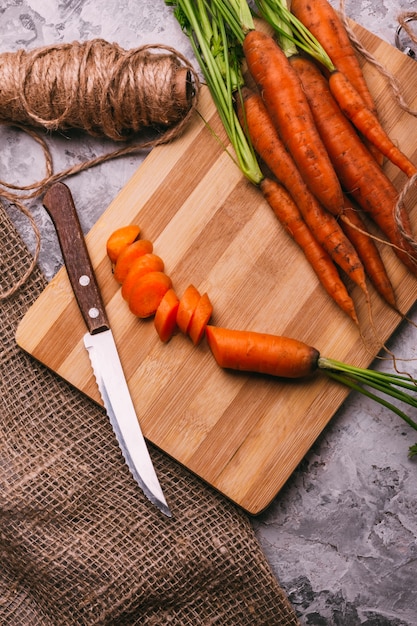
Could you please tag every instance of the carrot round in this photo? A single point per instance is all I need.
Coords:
(286, 103)
(188, 303)
(288, 214)
(263, 353)
(120, 239)
(326, 229)
(148, 262)
(200, 319)
(128, 255)
(359, 173)
(165, 319)
(148, 292)
(367, 122)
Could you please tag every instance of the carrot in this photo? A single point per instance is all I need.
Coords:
(367, 122)
(359, 173)
(200, 319)
(267, 143)
(262, 353)
(128, 255)
(148, 292)
(120, 239)
(289, 111)
(288, 214)
(165, 319)
(187, 306)
(356, 229)
(324, 23)
(148, 262)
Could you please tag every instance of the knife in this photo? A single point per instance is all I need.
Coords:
(100, 344)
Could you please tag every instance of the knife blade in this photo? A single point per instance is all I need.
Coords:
(100, 344)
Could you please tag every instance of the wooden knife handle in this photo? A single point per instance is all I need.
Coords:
(60, 206)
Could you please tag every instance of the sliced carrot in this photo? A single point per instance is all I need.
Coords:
(128, 255)
(148, 262)
(148, 292)
(262, 353)
(120, 239)
(200, 318)
(188, 304)
(165, 320)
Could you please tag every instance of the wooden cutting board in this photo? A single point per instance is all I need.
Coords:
(242, 434)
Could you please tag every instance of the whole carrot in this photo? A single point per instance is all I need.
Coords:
(290, 113)
(324, 23)
(359, 173)
(288, 214)
(324, 226)
(262, 353)
(367, 122)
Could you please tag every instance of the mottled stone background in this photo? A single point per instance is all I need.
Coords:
(341, 535)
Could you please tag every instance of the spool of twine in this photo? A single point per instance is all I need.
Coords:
(94, 86)
(103, 90)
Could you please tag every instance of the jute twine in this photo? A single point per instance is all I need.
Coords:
(101, 89)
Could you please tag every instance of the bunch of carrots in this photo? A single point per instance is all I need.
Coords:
(305, 131)
(149, 291)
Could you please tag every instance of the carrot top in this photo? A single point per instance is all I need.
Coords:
(219, 59)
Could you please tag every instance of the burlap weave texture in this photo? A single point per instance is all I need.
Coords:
(79, 543)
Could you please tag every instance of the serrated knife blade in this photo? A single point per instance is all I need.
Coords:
(100, 344)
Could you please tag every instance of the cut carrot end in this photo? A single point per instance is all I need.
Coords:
(165, 320)
(148, 292)
(144, 264)
(200, 319)
(187, 306)
(120, 239)
(128, 255)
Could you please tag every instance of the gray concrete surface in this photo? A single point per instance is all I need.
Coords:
(341, 535)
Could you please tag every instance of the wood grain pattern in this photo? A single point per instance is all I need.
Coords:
(242, 434)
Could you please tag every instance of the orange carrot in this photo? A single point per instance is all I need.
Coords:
(262, 353)
(128, 255)
(120, 239)
(288, 214)
(359, 173)
(289, 111)
(356, 229)
(326, 229)
(324, 23)
(148, 292)
(148, 262)
(165, 319)
(200, 319)
(187, 306)
(366, 122)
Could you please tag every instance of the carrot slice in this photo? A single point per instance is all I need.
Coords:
(120, 239)
(128, 255)
(187, 306)
(165, 320)
(200, 318)
(148, 262)
(148, 292)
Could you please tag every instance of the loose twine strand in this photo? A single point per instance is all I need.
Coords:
(101, 89)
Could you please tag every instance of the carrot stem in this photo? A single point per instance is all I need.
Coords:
(218, 56)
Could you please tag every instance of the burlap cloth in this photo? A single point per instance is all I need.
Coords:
(80, 544)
